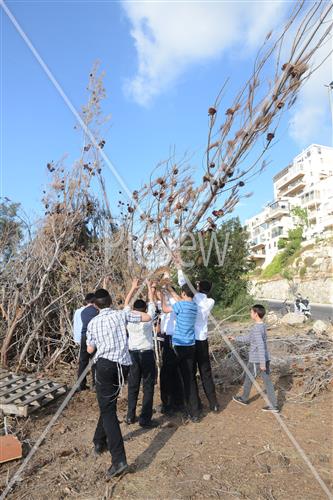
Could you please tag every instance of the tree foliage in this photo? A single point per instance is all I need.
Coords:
(228, 260)
(302, 215)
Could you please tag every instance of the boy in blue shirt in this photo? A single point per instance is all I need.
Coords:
(183, 343)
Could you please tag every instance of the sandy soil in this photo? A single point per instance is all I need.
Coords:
(241, 452)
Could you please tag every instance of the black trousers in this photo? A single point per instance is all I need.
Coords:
(186, 360)
(205, 370)
(170, 381)
(84, 361)
(107, 390)
(143, 368)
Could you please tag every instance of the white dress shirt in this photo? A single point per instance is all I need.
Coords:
(140, 335)
(168, 320)
(205, 305)
(77, 325)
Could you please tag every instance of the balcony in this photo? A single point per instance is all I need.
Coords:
(281, 174)
(277, 210)
(257, 244)
(310, 199)
(279, 231)
(294, 188)
(294, 173)
(257, 256)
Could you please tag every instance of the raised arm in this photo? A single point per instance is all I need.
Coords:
(181, 278)
(173, 294)
(134, 287)
(165, 308)
(150, 291)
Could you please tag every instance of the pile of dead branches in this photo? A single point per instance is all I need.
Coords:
(304, 361)
(75, 248)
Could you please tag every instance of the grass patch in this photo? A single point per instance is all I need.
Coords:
(239, 309)
(291, 250)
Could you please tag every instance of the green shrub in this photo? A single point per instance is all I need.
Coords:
(239, 309)
(287, 274)
(302, 271)
(273, 267)
(291, 247)
(282, 243)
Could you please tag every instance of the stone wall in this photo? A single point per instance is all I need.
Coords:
(317, 290)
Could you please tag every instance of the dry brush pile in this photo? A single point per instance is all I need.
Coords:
(301, 363)
(79, 245)
(70, 251)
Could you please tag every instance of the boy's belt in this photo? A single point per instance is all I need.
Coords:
(141, 350)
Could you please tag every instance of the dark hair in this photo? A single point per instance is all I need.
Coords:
(140, 305)
(205, 286)
(102, 299)
(89, 298)
(259, 309)
(187, 290)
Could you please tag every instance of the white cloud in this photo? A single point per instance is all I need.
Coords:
(169, 37)
(310, 120)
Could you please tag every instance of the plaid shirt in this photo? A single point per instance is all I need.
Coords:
(107, 333)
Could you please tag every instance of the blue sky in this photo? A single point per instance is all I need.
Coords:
(164, 65)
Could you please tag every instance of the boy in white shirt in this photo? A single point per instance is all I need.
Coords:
(77, 322)
(141, 348)
(205, 305)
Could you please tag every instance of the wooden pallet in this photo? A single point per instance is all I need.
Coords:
(22, 394)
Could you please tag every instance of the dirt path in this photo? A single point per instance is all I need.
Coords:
(239, 453)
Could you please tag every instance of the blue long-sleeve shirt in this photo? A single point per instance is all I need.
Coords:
(257, 338)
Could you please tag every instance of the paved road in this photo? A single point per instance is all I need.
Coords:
(318, 311)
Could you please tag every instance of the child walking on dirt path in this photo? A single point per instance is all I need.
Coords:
(259, 359)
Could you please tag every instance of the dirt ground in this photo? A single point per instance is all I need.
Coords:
(240, 452)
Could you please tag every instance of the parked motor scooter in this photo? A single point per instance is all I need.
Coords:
(302, 306)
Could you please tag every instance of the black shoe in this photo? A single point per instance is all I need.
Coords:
(130, 421)
(194, 420)
(239, 400)
(271, 409)
(167, 410)
(151, 424)
(215, 408)
(116, 470)
(100, 448)
(178, 408)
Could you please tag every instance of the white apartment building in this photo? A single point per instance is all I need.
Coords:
(307, 183)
